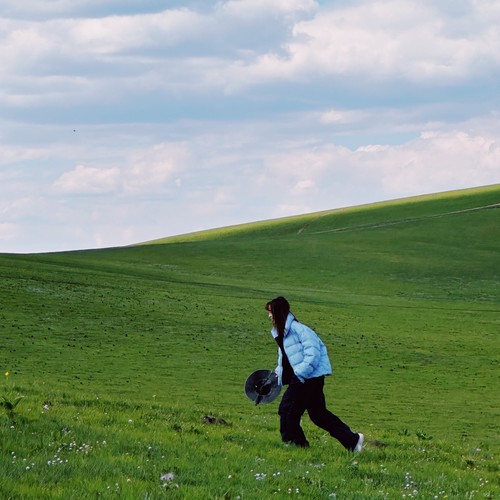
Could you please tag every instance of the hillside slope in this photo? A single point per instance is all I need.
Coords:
(405, 292)
(119, 353)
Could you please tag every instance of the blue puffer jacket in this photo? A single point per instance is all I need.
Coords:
(305, 350)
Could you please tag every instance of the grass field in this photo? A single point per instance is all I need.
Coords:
(118, 355)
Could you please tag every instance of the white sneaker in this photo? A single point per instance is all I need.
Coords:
(359, 446)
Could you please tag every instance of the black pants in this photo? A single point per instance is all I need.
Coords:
(309, 396)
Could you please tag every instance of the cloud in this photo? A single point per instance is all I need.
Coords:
(413, 41)
(334, 116)
(156, 169)
(148, 171)
(41, 10)
(88, 180)
(131, 34)
(188, 51)
(302, 186)
(120, 115)
(17, 208)
(331, 175)
(10, 154)
(147, 37)
(8, 231)
(437, 160)
(227, 175)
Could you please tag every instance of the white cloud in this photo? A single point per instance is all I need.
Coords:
(156, 169)
(88, 180)
(148, 171)
(302, 186)
(182, 50)
(8, 231)
(245, 9)
(385, 40)
(304, 167)
(233, 111)
(339, 116)
(10, 154)
(25, 43)
(16, 208)
(118, 34)
(435, 161)
(439, 159)
(210, 188)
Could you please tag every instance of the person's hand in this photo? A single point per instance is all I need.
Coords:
(264, 389)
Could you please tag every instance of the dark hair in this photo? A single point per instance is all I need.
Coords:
(279, 308)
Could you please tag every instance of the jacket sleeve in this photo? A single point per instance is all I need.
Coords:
(311, 351)
(279, 369)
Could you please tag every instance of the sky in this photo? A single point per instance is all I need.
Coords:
(123, 121)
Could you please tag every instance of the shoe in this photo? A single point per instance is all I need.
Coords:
(359, 446)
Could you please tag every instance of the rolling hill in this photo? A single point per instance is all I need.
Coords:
(404, 293)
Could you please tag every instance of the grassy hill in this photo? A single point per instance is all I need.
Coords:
(119, 353)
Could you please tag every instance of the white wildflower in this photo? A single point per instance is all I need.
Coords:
(168, 476)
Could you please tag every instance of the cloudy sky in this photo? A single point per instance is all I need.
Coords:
(127, 120)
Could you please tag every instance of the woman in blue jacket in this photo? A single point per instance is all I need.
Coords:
(302, 365)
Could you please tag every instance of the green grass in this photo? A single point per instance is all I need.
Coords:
(119, 353)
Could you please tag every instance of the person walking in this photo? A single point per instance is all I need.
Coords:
(303, 363)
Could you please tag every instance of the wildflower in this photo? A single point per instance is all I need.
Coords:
(169, 476)
(167, 479)
(7, 373)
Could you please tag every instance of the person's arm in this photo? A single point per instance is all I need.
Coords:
(279, 369)
(311, 351)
